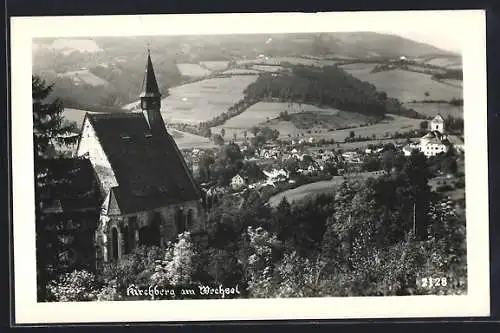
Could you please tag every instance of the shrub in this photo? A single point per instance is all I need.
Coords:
(76, 286)
(444, 188)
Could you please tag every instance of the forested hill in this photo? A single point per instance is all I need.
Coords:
(328, 86)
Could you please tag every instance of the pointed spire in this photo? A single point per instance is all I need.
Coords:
(150, 85)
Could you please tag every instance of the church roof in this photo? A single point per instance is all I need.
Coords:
(150, 85)
(149, 169)
(435, 137)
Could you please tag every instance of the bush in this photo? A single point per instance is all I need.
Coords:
(76, 286)
(444, 188)
(460, 183)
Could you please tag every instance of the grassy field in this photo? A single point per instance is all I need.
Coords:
(290, 60)
(309, 190)
(264, 114)
(266, 68)
(404, 85)
(390, 125)
(193, 70)
(215, 65)
(236, 71)
(85, 77)
(264, 111)
(445, 62)
(432, 109)
(187, 140)
(203, 100)
(307, 61)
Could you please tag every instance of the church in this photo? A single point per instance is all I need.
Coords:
(435, 141)
(149, 193)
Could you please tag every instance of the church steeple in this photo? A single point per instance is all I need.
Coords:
(151, 97)
(150, 85)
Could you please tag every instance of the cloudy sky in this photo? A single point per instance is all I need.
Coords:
(448, 30)
(446, 41)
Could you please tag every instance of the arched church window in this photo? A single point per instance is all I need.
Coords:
(179, 221)
(189, 219)
(114, 243)
(126, 240)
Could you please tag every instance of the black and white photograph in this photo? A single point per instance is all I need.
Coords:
(313, 167)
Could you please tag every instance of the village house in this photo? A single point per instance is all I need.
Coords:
(237, 182)
(276, 175)
(150, 194)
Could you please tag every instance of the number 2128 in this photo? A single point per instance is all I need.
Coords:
(429, 282)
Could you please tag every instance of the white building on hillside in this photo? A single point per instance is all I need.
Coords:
(237, 182)
(437, 124)
(436, 141)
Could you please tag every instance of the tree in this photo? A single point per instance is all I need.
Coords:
(253, 172)
(388, 159)
(424, 124)
(291, 165)
(76, 286)
(417, 174)
(218, 140)
(255, 130)
(352, 134)
(176, 268)
(222, 132)
(49, 129)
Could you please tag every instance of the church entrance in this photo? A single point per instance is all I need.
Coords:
(180, 223)
(150, 234)
(114, 243)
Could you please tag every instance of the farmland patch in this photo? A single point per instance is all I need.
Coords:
(405, 85)
(193, 70)
(83, 76)
(432, 109)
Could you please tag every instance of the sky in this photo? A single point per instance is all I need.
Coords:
(446, 30)
(446, 41)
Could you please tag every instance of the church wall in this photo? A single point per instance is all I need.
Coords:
(89, 144)
(168, 229)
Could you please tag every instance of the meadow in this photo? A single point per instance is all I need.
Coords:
(264, 111)
(193, 70)
(203, 100)
(432, 109)
(215, 65)
(446, 62)
(404, 85)
(83, 76)
(291, 60)
(306, 191)
(186, 140)
(390, 125)
(236, 71)
(265, 114)
(267, 68)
